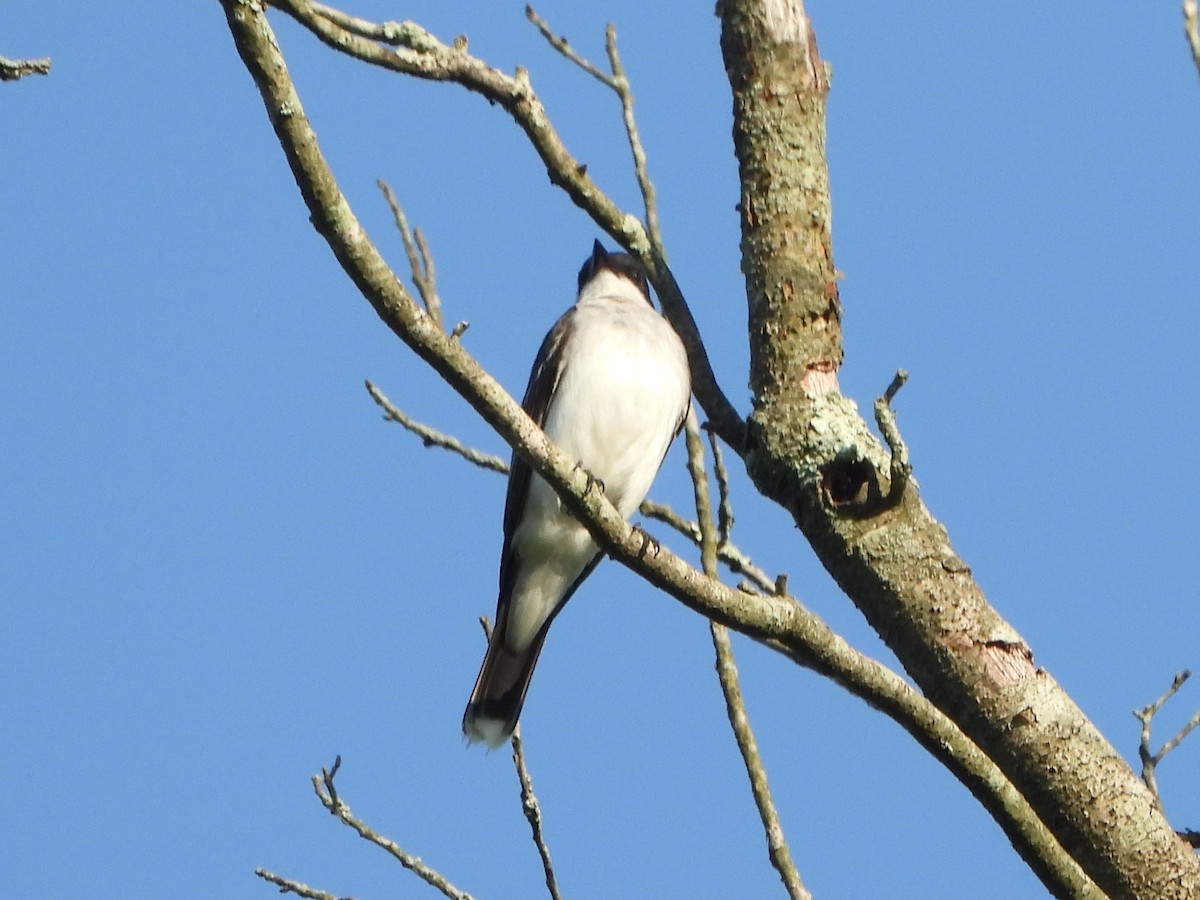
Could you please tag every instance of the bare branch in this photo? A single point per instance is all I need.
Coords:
(287, 886)
(420, 260)
(431, 437)
(885, 418)
(704, 516)
(14, 69)
(1146, 715)
(560, 44)
(328, 795)
(529, 800)
(395, 34)
(533, 812)
(735, 705)
(620, 84)
(1191, 28)
(729, 553)
(725, 509)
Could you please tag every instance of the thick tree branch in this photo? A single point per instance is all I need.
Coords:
(810, 451)
(778, 620)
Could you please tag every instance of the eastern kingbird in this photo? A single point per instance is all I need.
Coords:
(611, 387)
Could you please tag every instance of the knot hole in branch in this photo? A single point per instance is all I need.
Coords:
(851, 486)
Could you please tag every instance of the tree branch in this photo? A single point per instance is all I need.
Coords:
(13, 69)
(624, 91)
(1146, 715)
(431, 437)
(619, 83)
(725, 509)
(327, 793)
(778, 620)
(420, 260)
(529, 800)
(885, 418)
(1191, 28)
(533, 813)
(735, 705)
(287, 886)
(564, 47)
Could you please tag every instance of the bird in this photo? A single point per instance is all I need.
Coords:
(611, 387)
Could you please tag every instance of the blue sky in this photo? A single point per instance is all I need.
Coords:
(219, 567)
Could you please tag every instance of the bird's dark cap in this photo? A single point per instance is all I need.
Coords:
(618, 263)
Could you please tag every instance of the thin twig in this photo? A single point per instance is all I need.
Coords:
(13, 69)
(700, 494)
(420, 260)
(328, 795)
(529, 800)
(724, 508)
(728, 552)
(885, 418)
(1191, 27)
(735, 704)
(620, 84)
(559, 43)
(431, 437)
(1146, 715)
(533, 813)
(287, 886)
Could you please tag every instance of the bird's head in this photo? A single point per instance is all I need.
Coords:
(605, 274)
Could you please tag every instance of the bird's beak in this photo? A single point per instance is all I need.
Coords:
(599, 254)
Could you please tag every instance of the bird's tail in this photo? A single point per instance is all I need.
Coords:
(499, 693)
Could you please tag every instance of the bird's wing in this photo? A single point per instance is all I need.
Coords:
(547, 371)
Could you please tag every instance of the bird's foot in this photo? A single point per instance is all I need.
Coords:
(647, 541)
(593, 483)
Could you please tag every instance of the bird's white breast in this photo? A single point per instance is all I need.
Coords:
(621, 395)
